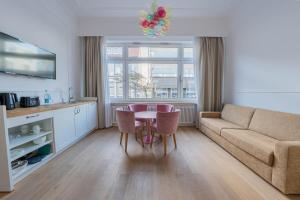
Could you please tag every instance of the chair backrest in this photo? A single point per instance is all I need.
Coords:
(138, 107)
(164, 108)
(167, 122)
(125, 120)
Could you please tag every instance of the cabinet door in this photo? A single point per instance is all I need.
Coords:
(64, 128)
(92, 116)
(81, 120)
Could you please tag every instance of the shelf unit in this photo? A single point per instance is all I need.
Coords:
(23, 143)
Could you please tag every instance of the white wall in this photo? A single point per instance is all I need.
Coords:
(48, 25)
(263, 55)
(130, 27)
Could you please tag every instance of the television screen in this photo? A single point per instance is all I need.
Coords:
(21, 58)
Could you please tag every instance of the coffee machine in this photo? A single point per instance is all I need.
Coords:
(9, 100)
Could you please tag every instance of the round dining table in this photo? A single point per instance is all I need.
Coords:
(147, 116)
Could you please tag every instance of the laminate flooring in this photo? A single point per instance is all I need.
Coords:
(97, 168)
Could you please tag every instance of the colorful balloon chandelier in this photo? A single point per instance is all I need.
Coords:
(156, 22)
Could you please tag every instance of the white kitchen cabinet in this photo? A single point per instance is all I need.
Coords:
(73, 123)
(81, 120)
(92, 116)
(64, 126)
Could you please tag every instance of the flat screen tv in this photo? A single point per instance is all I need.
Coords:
(20, 58)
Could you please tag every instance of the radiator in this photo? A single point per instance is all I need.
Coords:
(187, 112)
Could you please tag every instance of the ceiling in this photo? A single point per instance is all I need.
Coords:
(131, 8)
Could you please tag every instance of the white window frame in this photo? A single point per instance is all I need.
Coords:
(125, 60)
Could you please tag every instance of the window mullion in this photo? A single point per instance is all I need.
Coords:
(180, 73)
(126, 81)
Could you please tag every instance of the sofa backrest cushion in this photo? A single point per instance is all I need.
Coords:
(237, 114)
(278, 125)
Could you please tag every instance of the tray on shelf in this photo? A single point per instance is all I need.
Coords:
(17, 176)
(19, 167)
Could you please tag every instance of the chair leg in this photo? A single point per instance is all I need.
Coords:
(121, 138)
(174, 139)
(126, 141)
(165, 144)
(142, 139)
(136, 137)
(152, 136)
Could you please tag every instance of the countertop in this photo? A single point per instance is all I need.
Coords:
(28, 111)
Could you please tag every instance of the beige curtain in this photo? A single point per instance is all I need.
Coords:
(94, 84)
(211, 71)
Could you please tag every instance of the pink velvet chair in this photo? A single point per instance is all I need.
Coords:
(164, 108)
(138, 108)
(166, 124)
(127, 124)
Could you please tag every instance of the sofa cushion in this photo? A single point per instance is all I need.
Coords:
(258, 145)
(217, 124)
(237, 114)
(278, 125)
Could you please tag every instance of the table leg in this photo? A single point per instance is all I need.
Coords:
(148, 137)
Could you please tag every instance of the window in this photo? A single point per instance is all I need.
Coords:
(149, 80)
(189, 89)
(150, 71)
(152, 52)
(114, 52)
(188, 52)
(115, 79)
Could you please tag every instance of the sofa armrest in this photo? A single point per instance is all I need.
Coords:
(209, 114)
(286, 169)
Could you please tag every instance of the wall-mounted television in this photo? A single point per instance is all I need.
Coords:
(21, 58)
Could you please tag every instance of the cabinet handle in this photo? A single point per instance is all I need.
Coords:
(32, 116)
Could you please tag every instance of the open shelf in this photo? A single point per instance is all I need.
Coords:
(26, 138)
(29, 147)
(16, 177)
(21, 145)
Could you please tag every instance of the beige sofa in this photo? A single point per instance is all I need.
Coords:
(268, 142)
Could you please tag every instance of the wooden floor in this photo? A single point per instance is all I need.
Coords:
(98, 168)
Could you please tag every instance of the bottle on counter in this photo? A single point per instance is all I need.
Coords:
(47, 98)
(71, 97)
